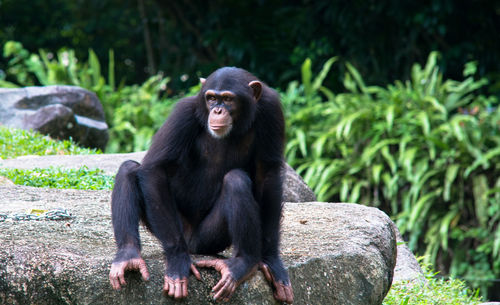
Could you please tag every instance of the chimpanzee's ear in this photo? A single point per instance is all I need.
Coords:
(202, 80)
(257, 89)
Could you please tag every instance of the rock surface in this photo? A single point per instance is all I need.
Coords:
(295, 190)
(407, 267)
(59, 111)
(336, 254)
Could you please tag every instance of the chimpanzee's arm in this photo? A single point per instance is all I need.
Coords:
(142, 192)
(269, 187)
(170, 145)
(163, 219)
(175, 137)
(270, 145)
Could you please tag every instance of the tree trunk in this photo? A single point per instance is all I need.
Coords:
(147, 39)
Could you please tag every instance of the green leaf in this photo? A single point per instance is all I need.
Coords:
(328, 93)
(483, 160)
(326, 177)
(389, 158)
(111, 69)
(430, 65)
(424, 122)
(344, 126)
(344, 191)
(451, 174)
(445, 227)
(95, 67)
(496, 243)
(470, 68)
(319, 144)
(370, 151)
(432, 82)
(422, 206)
(301, 137)
(318, 81)
(436, 104)
(306, 77)
(480, 190)
(356, 190)
(376, 170)
(408, 157)
(389, 117)
(357, 77)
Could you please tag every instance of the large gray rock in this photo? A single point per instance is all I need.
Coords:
(62, 112)
(336, 254)
(295, 189)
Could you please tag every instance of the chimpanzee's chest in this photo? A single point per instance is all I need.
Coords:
(202, 175)
(218, 156)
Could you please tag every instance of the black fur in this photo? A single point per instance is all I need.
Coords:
(199, 194)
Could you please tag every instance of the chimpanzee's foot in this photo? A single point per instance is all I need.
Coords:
(228, 282)
(117, 272)
(283, 291)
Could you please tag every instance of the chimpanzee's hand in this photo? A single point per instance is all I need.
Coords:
(283, 291)
(177, 288)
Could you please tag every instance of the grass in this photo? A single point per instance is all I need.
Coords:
(55, 177)
(433, 291)
(19, 142)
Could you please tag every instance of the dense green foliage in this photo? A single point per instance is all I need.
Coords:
(426, 151)
(18, 142)
(433, 291)
(268, 37)
(54, 177)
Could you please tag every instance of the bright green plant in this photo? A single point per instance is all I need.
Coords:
(425, 150)
(433, 290)
(19, 142)
(138, 113)
(46, 68)
(54, 177)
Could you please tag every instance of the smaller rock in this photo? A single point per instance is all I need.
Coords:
(61, 112)
(296, 190)
(52, 119)
(407, 267)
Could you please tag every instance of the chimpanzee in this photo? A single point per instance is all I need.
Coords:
(211, 179)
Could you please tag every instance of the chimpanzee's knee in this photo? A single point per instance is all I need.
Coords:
(237, 181)
(127, 167)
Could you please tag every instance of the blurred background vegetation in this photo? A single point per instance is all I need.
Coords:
(388, 103)
(269, 37)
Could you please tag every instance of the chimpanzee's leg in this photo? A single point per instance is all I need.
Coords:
(235, 219)
(126, 210)
(164, 221)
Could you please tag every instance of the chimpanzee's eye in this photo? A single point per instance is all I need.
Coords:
(211, 98)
